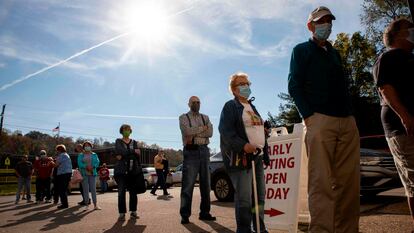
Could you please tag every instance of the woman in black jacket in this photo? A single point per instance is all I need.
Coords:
(126, 170)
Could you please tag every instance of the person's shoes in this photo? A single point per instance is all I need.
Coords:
(97, 208)
(81, 203)
(55, 202)
(134, 215)
(16, 202)
(153, 193)
(121, 217)
(89, 202)
(62, 207)
(48, 201)
(185, 220)
(29, 201)
(207, 218)
(23, 198)
(166, 194)
(38, 202)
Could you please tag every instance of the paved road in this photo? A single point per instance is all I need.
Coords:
(385, 213)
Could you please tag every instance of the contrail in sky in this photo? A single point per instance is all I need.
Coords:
(24, 78)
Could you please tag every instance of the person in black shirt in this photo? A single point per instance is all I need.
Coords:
(125, 170)
(24, 172)
(394, 78)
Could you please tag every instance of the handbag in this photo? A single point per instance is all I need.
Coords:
(76, 177)
(136, 182)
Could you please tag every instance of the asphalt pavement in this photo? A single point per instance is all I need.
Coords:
(386, 213)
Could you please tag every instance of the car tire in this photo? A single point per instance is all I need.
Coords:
(223, 188)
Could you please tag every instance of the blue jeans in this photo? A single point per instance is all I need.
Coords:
(23, 181)
(104, 186)
(121, 180)
(89, 184)
(195, 162)
(242, 183)
(260, 181)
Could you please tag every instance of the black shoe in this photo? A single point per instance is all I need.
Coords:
(153, 193)
(166, 194)
(207, 218)
(81, 203)
(62, 207)
(185, 220)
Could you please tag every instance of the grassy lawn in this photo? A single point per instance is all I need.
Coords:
(11, 189)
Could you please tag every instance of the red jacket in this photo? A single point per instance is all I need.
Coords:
(44, 168)
(104, 174)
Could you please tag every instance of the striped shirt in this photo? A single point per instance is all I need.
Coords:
(196, 131)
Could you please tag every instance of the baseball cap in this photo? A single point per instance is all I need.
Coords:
(318, 13)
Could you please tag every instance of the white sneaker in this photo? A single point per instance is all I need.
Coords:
(97, 208)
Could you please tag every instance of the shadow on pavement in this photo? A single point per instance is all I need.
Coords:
(223, 204)
(129, 227)
(194, 228)
(67, 216)
(218, 227)
(165, 197)
(396, 205)
(17, 207)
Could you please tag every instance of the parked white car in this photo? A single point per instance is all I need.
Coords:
(150, 176)
(111, 182)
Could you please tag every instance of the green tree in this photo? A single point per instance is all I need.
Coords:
(377, 14)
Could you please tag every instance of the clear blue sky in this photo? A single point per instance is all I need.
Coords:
(171, 51)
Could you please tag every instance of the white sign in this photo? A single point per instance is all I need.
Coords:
(283, 179)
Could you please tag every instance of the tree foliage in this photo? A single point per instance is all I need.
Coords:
(377, 14)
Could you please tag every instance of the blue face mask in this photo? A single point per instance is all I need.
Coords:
(245, 91)
(322, 31)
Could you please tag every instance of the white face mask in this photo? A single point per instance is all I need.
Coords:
(88, 148)
(322, 31)
(410, 36)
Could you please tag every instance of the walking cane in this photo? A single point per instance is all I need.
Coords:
(256, 199)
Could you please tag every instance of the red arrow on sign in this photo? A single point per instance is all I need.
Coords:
(272, 212)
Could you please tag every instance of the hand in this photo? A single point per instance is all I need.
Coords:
(408, 123)
(249, 148)
(118, 157)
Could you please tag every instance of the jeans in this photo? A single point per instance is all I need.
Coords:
(89, 185)
(104, 186)
(242, 183)
(195, 162)
(62, 182)
(121, 180)
(43, 189)
(23, 181)
(160, 182)
(260, 182)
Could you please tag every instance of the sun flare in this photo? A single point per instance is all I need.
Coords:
(148, 22)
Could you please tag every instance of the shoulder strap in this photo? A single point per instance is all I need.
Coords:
(202, 118)
(189, 121)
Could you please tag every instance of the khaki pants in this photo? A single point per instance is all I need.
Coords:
(332, 145)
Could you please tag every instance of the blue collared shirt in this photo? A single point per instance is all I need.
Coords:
(65, 164)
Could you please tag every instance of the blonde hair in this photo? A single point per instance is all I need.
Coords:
(233, 79)
(60, 148)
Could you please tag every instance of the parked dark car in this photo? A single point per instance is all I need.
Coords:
(378, 174)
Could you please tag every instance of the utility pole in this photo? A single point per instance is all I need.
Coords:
(1, 120)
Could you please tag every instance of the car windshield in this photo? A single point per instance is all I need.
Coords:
(373, 153)
(216, 158)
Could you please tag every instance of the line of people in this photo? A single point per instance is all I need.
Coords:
(319, 88)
